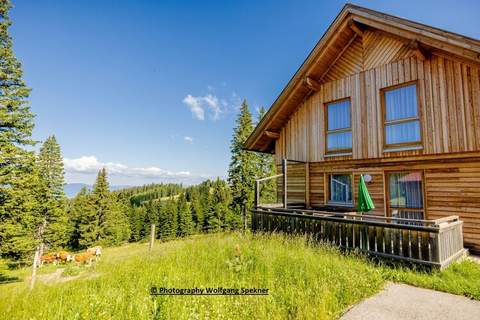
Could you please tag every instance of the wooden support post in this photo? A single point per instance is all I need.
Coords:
(307, 185)
(36, 259)
(284, 171)
(257, 193)
(152, 237)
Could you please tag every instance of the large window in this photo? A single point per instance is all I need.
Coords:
(340, 191)
(406, 194)
(402, 123)
(339, 129)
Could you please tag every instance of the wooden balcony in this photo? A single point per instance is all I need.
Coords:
(431, 242)
(402, 236)
(435, 243)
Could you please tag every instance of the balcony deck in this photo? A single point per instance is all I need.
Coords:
(436, 243)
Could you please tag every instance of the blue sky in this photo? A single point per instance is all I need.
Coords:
(150, 89)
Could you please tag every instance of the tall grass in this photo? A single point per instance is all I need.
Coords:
(304, 281)
(310, 282)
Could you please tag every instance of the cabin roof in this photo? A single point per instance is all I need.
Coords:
(347, 25)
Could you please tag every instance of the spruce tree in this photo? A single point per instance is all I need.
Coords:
(82, 217)
(19, 217)
(266, 167)
(171, 212)
(197, 210)
(243, 168)
(52, 198)
(51, 167)
(185, 223)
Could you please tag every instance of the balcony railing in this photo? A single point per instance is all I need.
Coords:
(431, 242)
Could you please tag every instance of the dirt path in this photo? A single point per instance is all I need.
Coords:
(400, 301)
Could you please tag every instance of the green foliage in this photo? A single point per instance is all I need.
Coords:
(19, 179)
(243, 166)
(99, 217)
(51, 196)
(142, 194)
(185, 223)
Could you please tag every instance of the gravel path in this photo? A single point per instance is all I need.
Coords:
(400, 301)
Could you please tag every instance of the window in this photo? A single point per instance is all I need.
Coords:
(402, 123)
(339, 129)
(340, 189)
(406, 195)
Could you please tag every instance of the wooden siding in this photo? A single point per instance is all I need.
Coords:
(449, 109)
(450, 188)
(455, 190)
(317, 185)
(380, 49)
(296, 183)
(350, 62)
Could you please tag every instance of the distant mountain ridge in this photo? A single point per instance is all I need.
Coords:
(71, 189)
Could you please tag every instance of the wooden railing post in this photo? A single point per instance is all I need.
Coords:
(257, 194)
(307, 185)
(284, 171)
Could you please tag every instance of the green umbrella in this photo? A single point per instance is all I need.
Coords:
(365, 202)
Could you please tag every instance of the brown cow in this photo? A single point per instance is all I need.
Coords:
(64, 256)
(95, 250)
(84, 257)
(48, 258)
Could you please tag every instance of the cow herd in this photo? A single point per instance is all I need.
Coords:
(87, 257)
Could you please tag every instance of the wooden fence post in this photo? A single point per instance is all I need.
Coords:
(36, 259)
(152, 237)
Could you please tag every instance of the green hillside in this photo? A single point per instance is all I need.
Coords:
(303, 281)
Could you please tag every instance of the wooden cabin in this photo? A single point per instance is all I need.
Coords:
(393, 100)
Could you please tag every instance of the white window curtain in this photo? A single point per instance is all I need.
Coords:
(339, 115)
(403, 132)
(339, 140)
(339, 133)
(401, 104)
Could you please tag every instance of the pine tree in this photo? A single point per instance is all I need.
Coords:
(266, 167)
(185, 223)
(82, 217)
(242, 169)
(19, 218)
(51, 167)
(197, 210)
(52, 198)
(116, 227)
(101, 203)
(163, 227)
(171, 210)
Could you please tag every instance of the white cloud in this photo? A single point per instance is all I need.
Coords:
(202, 104)
(86, 168)
(188, 139)
(195, 105)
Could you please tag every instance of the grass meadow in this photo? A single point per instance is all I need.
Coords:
(305, 281)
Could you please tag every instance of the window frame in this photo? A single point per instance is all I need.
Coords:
(328, 190)
(387, 193)
(413, 144)
(326, 132)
